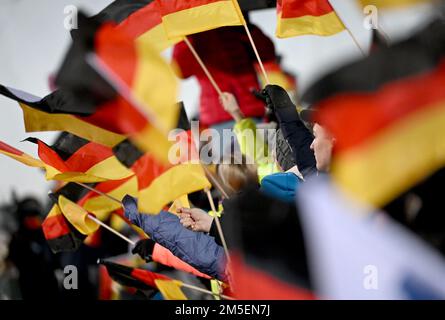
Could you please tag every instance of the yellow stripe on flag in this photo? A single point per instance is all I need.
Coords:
(326, 25)
(151, 71)
(36, 120)
(101, 206)
(153, 141)
(179, 180)
(203, 18)
(25, 159)
(181, 202)
(170, 289)
(395, 160)
(157, 38)
(77, 216)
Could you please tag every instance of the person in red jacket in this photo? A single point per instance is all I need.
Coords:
(228, 55)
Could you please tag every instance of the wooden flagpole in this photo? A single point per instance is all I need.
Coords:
(260, 62)
(218, 225)
(91, 217)
(356, 42)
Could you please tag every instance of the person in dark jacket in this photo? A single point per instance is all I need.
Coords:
(312, 152)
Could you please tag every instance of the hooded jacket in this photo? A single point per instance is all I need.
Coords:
(195, 248)
(281, 186)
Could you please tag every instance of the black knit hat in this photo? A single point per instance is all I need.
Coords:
(283, 152)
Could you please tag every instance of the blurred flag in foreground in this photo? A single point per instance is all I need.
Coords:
(144, 279)
(130, 87)
(387, 114)
(140, 19)
(355, 253)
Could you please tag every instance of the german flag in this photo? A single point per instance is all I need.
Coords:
(43, 114)
(20, 156)
(307, 17)
(181, 18)
(144, 280)
(387, 114)
(59, 233)
(140, 19)
(75, 159)
(131, 87)
(77, 216)
(160, 184)
(57, 169)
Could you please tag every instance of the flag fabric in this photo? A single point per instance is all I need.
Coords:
(59, 233)
(50, 114)
(107, 69)
(307, 17)
(357, 253)
(182, 18)
(20, 156)
(72, 158)
(170, 289)
(160, 184)
(387, 125)
(77, 216)
(279, 269)
(143, 279)
(140, 19)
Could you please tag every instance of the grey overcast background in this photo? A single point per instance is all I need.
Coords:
(33, 41)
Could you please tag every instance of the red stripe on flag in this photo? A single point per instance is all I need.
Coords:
(88, 156)
(141, 21)
(7, 148)
(55, 227)
(300, 8)
(171, 6)
(117, 50)
(118, 116)
(148, 277)
(50, 157)
(367, 114)
(147, 169)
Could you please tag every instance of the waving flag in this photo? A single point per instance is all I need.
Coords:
(75, 159)
(59, 233)
(44, 114)
(388, 125)
(140, 19)
(307, 17)
(20, 156)
(144, 279)
(184, 17)
(131, 87)
(77, 216)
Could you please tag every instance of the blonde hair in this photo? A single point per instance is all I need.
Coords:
(236, 174)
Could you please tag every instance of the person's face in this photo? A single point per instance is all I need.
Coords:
(322, 147)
